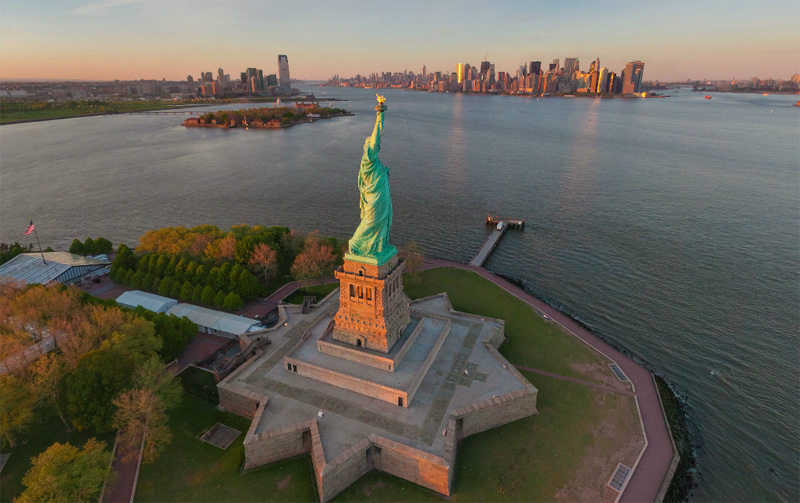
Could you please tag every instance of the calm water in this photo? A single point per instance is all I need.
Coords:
(669, 226)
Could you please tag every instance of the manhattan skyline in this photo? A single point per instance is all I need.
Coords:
(134, 39)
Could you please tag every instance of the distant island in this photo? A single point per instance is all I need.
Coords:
(268, 118)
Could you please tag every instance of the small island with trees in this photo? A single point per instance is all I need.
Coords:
(268, 118)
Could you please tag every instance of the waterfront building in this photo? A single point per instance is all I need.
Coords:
(602, 86)
(283, 74)
(460, 72)
(632, 77)
(55, 267)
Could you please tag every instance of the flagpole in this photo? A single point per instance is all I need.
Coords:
(40, 244)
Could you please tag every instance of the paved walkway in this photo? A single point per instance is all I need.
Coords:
(654, 463)
(127, 474)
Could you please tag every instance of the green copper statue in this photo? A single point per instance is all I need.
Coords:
(370, 243)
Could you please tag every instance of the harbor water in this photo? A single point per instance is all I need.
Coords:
(670, 227)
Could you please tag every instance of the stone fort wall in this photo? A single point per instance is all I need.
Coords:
(379, 453)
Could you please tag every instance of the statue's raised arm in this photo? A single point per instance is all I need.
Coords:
(371, 239)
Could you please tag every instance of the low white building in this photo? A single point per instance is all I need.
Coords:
(216, 322)
(149, 301)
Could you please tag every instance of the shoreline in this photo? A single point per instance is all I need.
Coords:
(176, 107)
(684, 442)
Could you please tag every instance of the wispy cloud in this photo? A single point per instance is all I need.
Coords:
(102, 6)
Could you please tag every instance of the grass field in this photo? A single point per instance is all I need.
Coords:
(44, 432)
(192, 470)
(319, 291)
(565, 452)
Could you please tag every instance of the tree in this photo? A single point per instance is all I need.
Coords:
(224, 276)
(76, 247)
(232, 302)
(102, 245)
(170, 269)
(248, 286)
(16, 407)
(156, 285)
(188, 273)
(141, 412)
(174, 332)
(219, 298)
(207, 296)
(200, 275)
(64, 473)
(161, 265)
(213, 277)
(181, 268)
(47, 375)
(197, 293)
(128, 279)
(144, 264)
(119, 275)
(186, 290)
(125, 258)
(147, 282)
(165, 286)
(175, 290)
(264, 261)
(137, 280)
(235, 276)
(101, 375)
(227, 247)
(316, 259)
(88, 245)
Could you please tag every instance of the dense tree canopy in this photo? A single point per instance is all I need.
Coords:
(65, 473)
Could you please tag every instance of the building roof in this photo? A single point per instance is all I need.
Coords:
(217, 320)
(149, 301)
(59, 267)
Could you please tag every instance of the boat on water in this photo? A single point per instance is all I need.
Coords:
(708, 96)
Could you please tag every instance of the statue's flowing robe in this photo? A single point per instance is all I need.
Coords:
(371, 238)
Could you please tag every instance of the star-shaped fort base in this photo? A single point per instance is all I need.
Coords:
(450, 383)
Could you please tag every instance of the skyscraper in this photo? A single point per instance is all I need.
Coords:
(535, 68)
(632, 77)
(283, 74)
(460, 72)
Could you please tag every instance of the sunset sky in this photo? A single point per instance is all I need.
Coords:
(135, 39)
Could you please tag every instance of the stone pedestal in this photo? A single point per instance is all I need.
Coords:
(373, 309)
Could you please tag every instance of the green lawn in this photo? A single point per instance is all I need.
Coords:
(532, 341)
(319, 291)
(44, 432)
(192, 470)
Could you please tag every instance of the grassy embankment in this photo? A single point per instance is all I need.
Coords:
(533, 459)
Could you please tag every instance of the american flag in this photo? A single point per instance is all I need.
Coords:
(30, 229)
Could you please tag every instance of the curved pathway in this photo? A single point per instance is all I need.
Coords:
(654, 463)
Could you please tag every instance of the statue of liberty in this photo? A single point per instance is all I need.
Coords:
(371, 239)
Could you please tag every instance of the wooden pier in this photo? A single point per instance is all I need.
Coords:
(501, 225)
